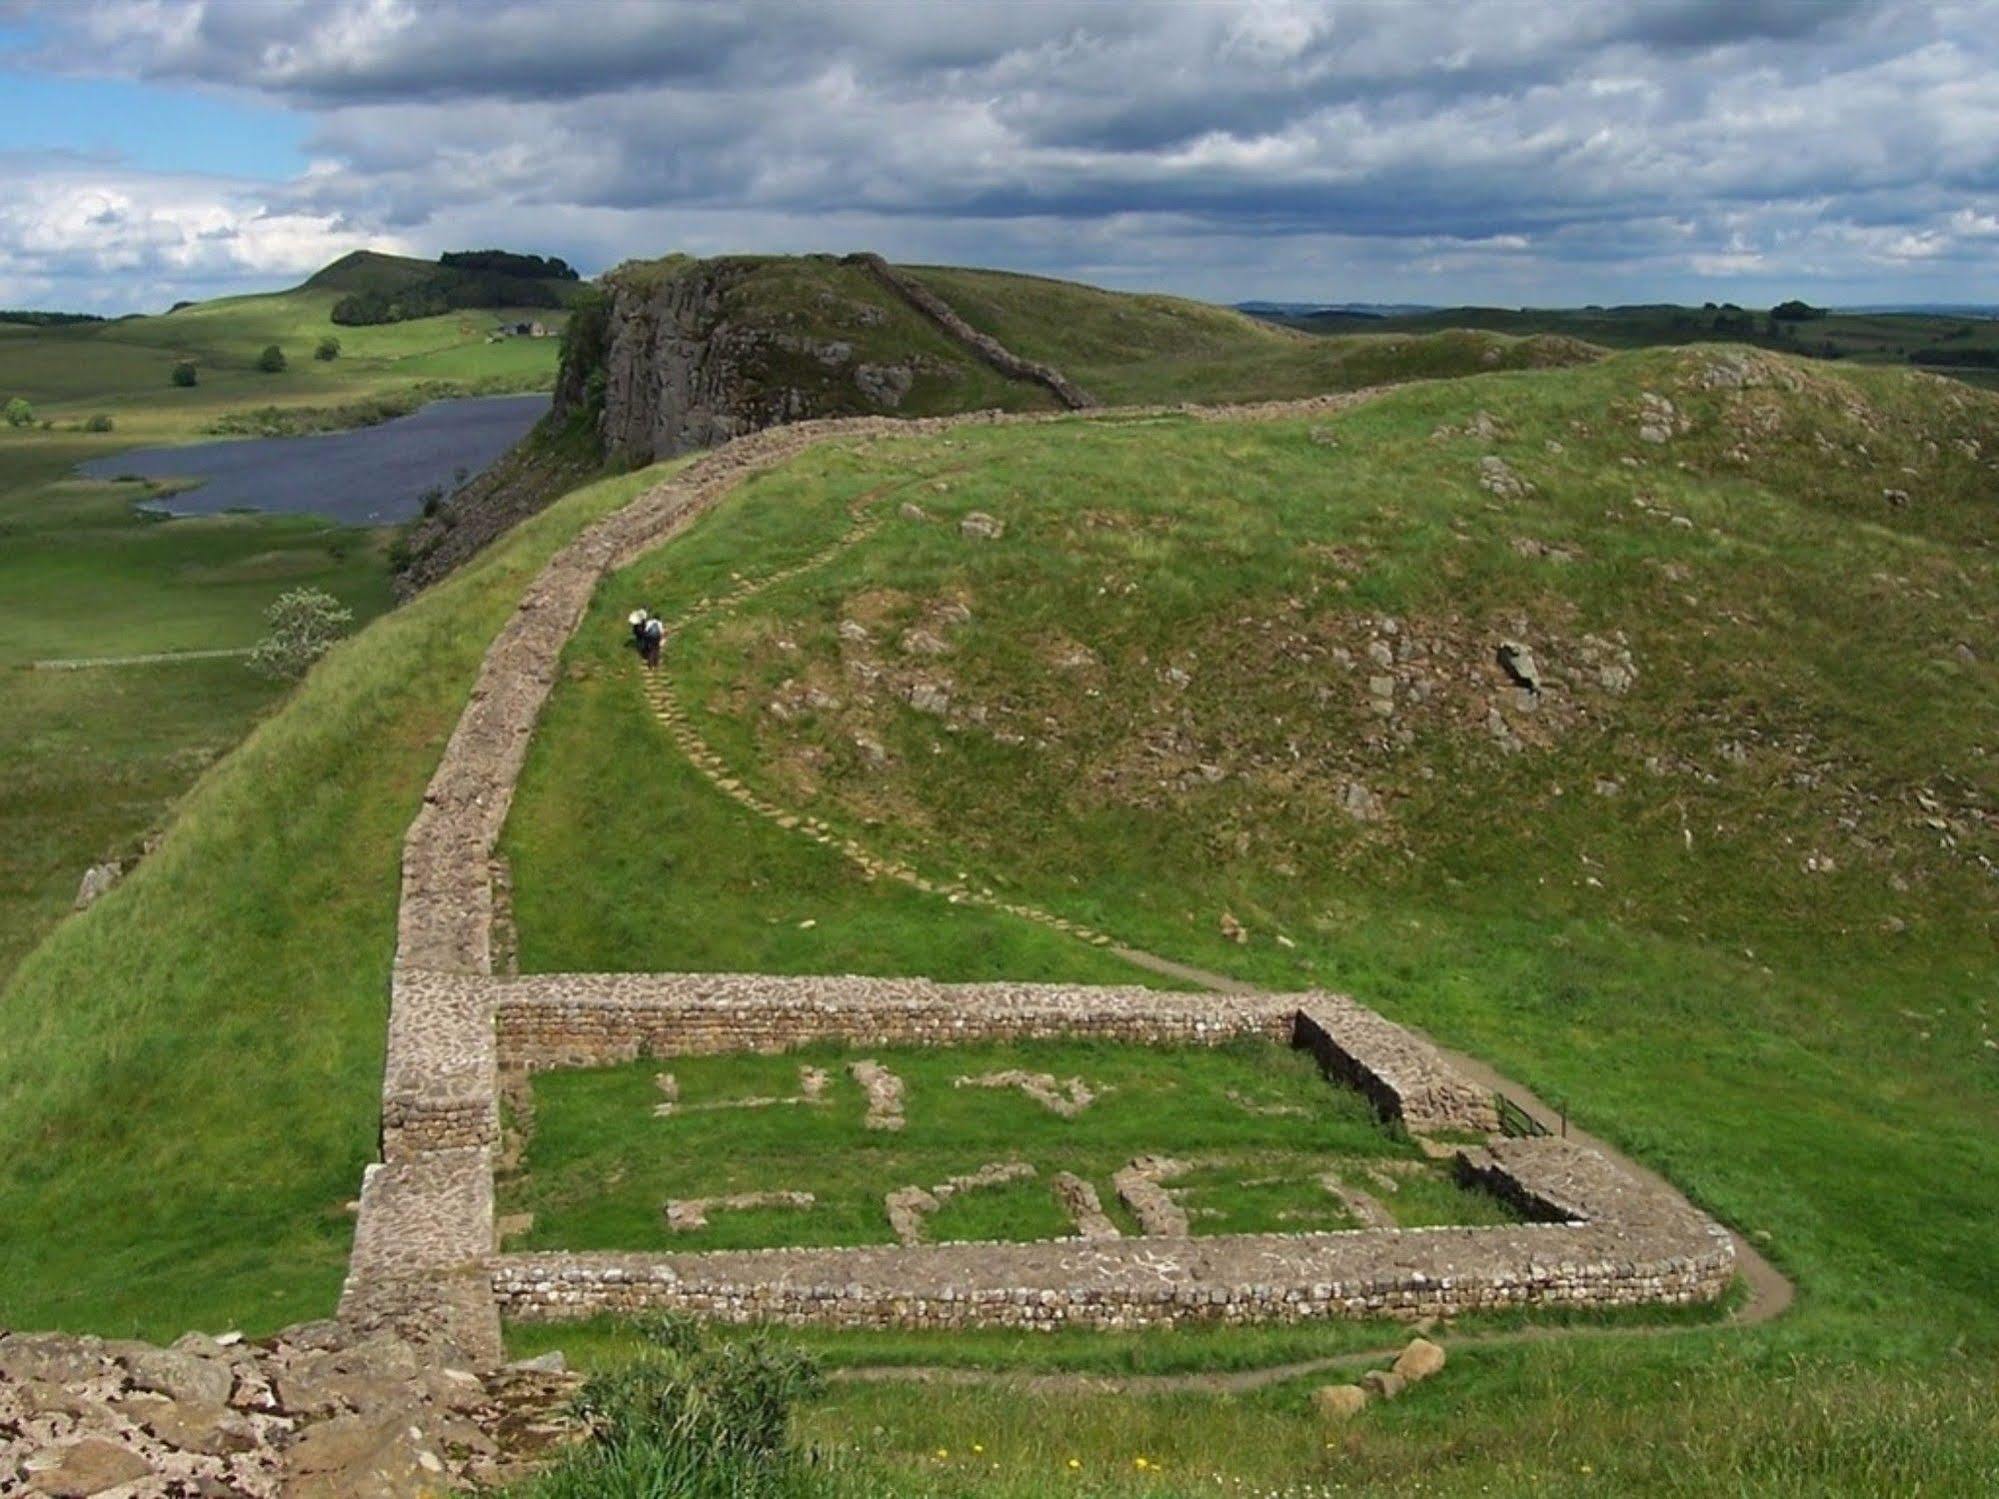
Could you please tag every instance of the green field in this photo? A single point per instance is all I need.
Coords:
(91, 761)
(601, 1163)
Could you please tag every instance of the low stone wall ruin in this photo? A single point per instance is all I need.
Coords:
(1636, 1244)
(591, 1020)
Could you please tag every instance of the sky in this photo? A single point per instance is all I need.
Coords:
(1510, 152)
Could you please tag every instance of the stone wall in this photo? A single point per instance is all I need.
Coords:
(583, 1019)
(1401, 1073)
(1636, 1245)
(988, 348)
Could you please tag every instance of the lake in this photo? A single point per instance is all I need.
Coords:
(370, 476)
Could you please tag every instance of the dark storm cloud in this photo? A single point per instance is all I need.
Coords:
(1217, 147)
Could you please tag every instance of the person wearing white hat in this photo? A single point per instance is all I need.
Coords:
(637, 620)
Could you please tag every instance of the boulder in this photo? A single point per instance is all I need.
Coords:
(351, 1456)
(50, 1358)
(180, 1376)
(1419, 1360)
(195, 1426)
(982, 527)
(96, 881)
(1383, 1384)
(1339, 1402)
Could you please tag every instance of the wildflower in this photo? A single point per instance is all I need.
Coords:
(943, 1452)
(1074, 1463)
(976, 1447)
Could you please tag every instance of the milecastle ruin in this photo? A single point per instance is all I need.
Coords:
(425, 1261)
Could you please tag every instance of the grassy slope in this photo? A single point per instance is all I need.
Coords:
(90, 761)
(193, 1066)
(600, 1165)
(1760, 963)
(1127, 348)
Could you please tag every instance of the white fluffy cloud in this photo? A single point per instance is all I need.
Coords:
(90, 235)
(1487, 149)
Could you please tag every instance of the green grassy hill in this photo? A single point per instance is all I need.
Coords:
(1127, 348)
(1722, 885)
(1966, 348)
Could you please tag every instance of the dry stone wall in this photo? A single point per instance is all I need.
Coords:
(988, 348)
(1637, 1244)
(585, 1020)
(1403, 1075)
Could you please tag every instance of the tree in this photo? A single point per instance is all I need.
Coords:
(184, 373)
(304, 624)
(328, 350)
(19, 413)
(272, 360)
(1796, 312)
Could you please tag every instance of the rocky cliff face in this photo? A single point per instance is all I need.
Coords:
(677, 355)
(695, 353)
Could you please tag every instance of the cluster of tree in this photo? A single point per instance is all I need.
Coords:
(1795, 312)
(463, 278)
(46, 319)
(447, 292)
(1979, 359)
(506, 263)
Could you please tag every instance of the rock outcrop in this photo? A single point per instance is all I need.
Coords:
(692, 353)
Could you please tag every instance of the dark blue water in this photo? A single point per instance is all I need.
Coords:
(368, 477)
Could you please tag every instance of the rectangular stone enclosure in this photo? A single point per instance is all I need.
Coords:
(1596, 1236)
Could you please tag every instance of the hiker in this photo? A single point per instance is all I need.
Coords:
(637, 620)
(655, 636)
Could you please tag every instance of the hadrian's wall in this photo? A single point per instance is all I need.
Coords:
(984, 345)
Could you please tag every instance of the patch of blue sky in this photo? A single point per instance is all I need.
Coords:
(142, 125)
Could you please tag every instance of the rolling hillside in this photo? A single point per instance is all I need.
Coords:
(1623, 723)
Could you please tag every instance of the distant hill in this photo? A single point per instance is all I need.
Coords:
(380, 288)
(1962, 341)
